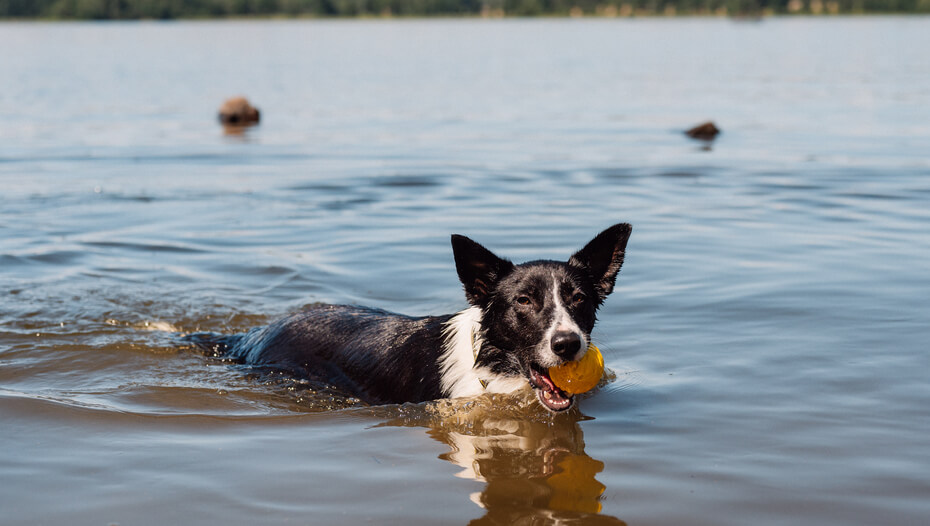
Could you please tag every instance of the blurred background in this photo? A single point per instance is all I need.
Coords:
(169, 9)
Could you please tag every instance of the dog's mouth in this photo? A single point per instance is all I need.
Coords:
(550, 396)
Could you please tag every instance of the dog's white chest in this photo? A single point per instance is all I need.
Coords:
(458, 375)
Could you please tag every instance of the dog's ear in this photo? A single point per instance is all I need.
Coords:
(603, 256)
(479, 269)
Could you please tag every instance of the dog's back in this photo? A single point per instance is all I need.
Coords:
(378, 356)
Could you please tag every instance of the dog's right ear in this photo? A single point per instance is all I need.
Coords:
(478, 268)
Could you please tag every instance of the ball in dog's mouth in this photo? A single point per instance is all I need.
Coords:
(550, 396)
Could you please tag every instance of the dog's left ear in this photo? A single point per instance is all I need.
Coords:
(603, 257)
(479, 269)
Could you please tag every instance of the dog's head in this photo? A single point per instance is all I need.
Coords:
(539, 314)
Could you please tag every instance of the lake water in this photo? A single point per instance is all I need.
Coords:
(768, 336)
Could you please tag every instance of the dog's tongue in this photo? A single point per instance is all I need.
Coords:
(548, 394)
(543, 381)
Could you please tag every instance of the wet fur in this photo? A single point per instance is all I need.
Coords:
(522, 320)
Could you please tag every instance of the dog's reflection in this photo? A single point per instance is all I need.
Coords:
(535, 470)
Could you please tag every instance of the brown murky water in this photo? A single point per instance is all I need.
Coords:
(768, 336)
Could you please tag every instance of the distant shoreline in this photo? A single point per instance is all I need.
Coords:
(470, 16)
(65, 10)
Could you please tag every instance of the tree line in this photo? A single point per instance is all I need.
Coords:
(171, 9)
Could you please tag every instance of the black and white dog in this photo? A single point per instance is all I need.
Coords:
(522, 320)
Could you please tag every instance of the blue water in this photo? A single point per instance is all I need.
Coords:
(768, 335)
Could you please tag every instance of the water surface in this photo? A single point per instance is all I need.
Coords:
(768, 335)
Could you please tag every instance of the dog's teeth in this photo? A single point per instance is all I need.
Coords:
(546, 395)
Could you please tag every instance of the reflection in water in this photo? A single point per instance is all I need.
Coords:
(237, 131)
(533, 464)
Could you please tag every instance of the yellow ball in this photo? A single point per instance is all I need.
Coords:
(579, 376)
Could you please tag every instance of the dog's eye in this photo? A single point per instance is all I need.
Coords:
(577, 298)
(523, 300)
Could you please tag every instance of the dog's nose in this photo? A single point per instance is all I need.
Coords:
(566, 344)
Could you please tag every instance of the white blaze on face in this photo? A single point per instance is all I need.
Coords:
(562, 321)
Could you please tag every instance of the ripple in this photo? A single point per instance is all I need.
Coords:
(407, 181)
(57, 257)
(144, 247)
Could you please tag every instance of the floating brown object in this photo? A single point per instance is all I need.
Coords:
(705, 132)
(238, 112)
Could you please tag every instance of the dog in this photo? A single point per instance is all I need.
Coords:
(522, 319)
